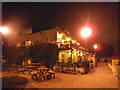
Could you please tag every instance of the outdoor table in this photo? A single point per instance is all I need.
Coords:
(43, 68)
(32, 67)
(43, 73)
(21, 69)
(70, 69)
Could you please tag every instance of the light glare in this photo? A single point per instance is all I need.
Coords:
(95, 46)
(4, 30)
(60, 35)
(68, 39)
(86, 32)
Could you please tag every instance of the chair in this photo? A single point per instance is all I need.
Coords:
(52, 74)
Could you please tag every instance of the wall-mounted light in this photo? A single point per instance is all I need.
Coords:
(78, 43)
(74, 53)
(73, 41)
(68, 39)
(69, 52)
(60, 35)
(63, 41)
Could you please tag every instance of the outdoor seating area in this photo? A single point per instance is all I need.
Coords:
(40, 73)
(73, 68)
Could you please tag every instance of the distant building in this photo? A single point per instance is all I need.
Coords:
(70, 49)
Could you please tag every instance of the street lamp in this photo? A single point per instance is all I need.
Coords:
(94, 56)
(86, 32)
(95, 46)
(4, 30)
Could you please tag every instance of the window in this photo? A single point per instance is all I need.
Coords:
(27, 43)
(19, 44)
(63, 55)
(46, 38)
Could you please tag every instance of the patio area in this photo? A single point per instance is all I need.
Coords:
(102, 77)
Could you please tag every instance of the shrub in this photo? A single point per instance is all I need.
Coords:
(8, 81)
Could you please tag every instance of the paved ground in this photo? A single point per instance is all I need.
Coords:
(101, 78)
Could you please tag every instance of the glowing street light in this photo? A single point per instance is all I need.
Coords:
(95, 46)
(4, 30)
(86, 32)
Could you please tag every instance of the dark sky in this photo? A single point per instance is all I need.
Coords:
(101, 18)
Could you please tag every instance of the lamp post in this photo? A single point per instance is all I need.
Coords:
(95, 46)
(3, 30)
(94, 56)
(86, 32)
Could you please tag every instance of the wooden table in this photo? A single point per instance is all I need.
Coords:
(43, 73)
(32, 67)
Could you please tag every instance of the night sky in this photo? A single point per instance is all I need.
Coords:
(100, 17)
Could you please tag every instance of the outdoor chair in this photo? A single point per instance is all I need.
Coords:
(91, 67)
(70, 70)
(34, 77)
(34, 74)
(52, 74)
(55, 68)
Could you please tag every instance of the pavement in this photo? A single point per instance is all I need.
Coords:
(102, 77)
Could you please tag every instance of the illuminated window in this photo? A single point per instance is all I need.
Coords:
(19, 44)
(27, 43)
(74, 50)
(81, 54)
(59, 35)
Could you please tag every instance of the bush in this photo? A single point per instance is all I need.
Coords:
(9, 81)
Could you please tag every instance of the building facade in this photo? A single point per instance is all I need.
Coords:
(70, 49)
